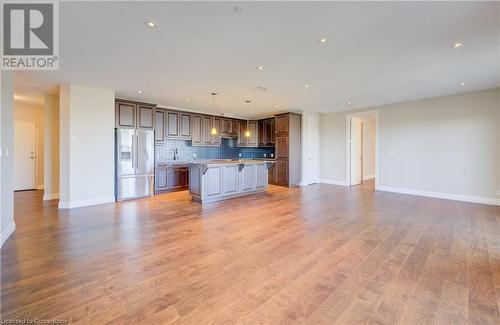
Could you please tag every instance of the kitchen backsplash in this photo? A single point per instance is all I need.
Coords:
(228, 149)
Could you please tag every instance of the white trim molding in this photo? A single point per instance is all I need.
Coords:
(333, 182)
(9, 230)
(85, 202)
(440, 195)
(40, 187)
(50, 196)
(368, 177)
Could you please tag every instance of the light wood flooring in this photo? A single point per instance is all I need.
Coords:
(321, 254)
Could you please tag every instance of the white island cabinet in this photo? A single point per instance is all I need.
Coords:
(214, 180)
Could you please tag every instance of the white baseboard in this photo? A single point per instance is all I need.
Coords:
(50, 196)
(85, 202)
(40, 187)
(333, 182)
(369, 177)
(7, 232)
(440, 195)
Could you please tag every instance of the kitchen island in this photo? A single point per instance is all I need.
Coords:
(215, 180)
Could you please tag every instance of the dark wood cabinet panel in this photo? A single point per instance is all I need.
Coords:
(185, 126)
(281, 171)
(271, 174)
(125, 114)
(226, 126)
(172, 124)
(262, 135)
(216, 139)
(242, 127)
(234, 127)
(196, 129)
(282, 124)
(252, 140)
(206, 127)
(160, 125)
(145, 117)
(281, 147)
(172, 178)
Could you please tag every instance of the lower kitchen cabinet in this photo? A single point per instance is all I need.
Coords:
(281, 172)
(173, 178)
(271, 174)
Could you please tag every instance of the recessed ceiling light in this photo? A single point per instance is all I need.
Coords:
(323, 40)
(259, 67)
(139, 91)
(462, 84)
(307, 86)
(457, 45)
(151, 23)
(349, 103)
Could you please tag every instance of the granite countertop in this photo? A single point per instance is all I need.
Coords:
(230, 161)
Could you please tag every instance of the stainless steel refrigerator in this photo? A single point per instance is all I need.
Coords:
(134, 163)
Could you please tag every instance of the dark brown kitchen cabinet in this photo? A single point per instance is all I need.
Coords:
(288, 146)
(217, 123)
(252, 140)
(160, 125)
(172, 126)
(206, 127)
(172, 178)
(125, 114)
(266, 133)
(145, 117)
(185, 126)
(196, 130)
(226, 126)
(271, 174)
(281, 171)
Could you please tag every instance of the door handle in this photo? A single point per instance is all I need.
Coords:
(133, 152)
(136, 151)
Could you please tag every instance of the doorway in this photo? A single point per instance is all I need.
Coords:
(361, 147)
(24, 156)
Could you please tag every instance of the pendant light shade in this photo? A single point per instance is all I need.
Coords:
(214, 129)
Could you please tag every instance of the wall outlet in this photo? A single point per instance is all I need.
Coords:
(265, 155)
(272, 155)
(194, 155)
(239, 155)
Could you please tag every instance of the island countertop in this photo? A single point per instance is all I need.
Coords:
(216, 162)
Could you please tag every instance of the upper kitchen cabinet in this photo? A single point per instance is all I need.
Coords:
(202, 130)
(178, 125)
(282, 124)
(267, 132)
(172, 126)
(185, 126)
(145, 117)
(160, 116)
(132, 115)
(253, 129)
(125, 115)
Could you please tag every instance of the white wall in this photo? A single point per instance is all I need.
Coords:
(6, 158)
(24, 112)
(86, 146)
(310, 148)
(51, 147)
(444, 147)
(368, 148)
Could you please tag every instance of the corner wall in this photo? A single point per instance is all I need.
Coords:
(51, 147)
(87, 123)
(445, 147)
(6, 156)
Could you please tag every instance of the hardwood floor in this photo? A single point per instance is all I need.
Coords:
(316, 255)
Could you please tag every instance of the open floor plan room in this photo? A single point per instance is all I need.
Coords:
(214, 162)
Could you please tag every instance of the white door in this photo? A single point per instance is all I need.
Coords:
(356, 150)
(24, 156)
(311, 149)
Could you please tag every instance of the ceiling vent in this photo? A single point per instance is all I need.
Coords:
(261, 89)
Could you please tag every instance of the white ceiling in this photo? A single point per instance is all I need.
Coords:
(376, 53)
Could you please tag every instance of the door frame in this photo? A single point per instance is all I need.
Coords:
(37, 139)
(373, 113)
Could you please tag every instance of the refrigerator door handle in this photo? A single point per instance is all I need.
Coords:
(136, 151)
(133, 152)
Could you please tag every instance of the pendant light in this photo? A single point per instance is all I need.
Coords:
(247, 133)
(214, 129)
